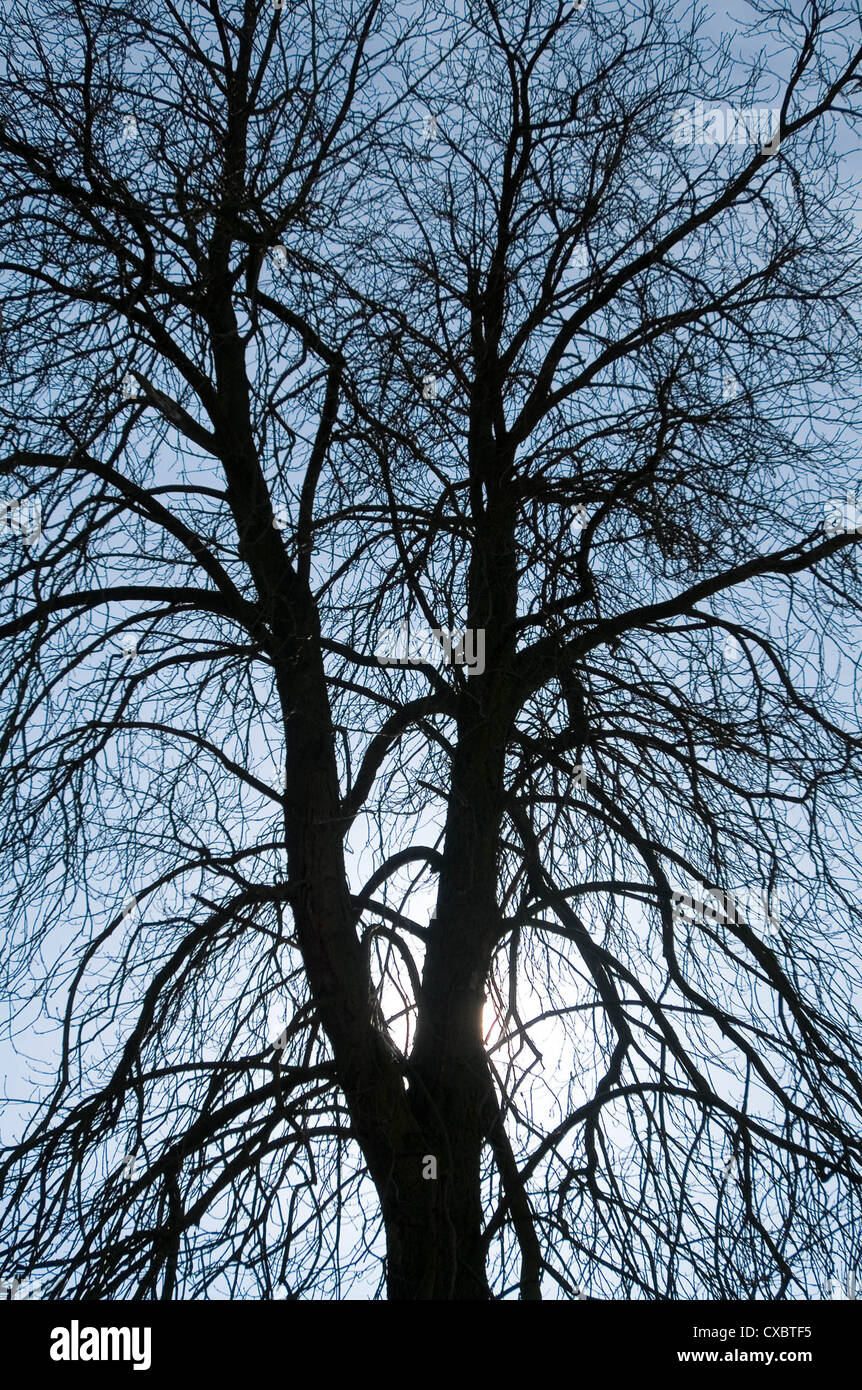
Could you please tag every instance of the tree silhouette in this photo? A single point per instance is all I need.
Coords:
(429, 745)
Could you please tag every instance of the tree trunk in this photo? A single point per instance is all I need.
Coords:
(451, 1088)
(434, 1229)
(440, 1119)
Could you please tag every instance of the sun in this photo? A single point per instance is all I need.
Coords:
(491, 1021)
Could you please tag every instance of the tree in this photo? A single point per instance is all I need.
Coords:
(431, 418)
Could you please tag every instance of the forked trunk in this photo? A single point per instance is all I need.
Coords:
(435, 1243)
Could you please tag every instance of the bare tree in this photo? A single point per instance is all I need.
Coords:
(430, 754)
